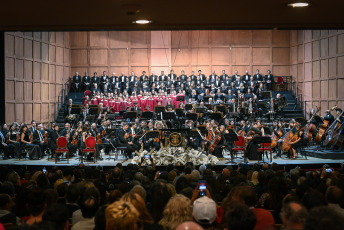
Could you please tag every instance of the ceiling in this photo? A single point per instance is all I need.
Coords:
(168, 15)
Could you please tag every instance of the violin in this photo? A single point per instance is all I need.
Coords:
(74, 141)
(99, 139)
(31, 138)
(46, 137)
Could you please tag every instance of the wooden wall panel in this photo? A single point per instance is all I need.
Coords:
(98, 39)
(29, 61)
(118, 57)
(242, 37)
(261, 55)
(180, 39)
(220, 56)
(281, 37)
(221, 38)
(9, 48)
(323, 66)
(160, 39)
(78, 39)
(139, 39)
(241, 56)
(98, 57)
(262, 37)
(180, 57)
(139, 57)
(200, 38)
(118, 39)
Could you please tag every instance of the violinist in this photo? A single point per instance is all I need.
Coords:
(73, 144)
(149, 142)
(124, 141)
(4, 145)
(103, 141)
(13, 142)
(38, 139)
(26, 142)
(252, 147)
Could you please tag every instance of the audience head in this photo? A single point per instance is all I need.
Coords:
(121, 215)
(324, 217)
(204, 211)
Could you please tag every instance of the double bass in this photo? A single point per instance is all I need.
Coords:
(310, 128)
(323, 128)
(332, 131)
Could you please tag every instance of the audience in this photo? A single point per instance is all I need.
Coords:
(247, 197)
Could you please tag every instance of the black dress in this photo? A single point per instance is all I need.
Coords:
(33, 150)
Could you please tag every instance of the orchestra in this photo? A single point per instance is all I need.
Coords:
(123, 112)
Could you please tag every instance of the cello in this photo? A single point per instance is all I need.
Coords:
(290, 137)
(275, 138)
(215, 142)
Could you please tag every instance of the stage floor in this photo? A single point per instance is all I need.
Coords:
(310, 162)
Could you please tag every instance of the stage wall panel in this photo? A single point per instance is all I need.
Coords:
(35, 63)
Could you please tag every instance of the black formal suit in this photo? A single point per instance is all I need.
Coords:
(234, 77)
(212, 77)
(132, 78)
(123, 79)
(173, 76)
(182, 78)
(163, 78)
(246, 78)
(227, 82)
(3, 145)
(53, 136)
(95, 80)
(136, 109)
(86, 82)
(223, 77)
(77, 83)
(122, 141)
(270, 78)
(144, 78)
(258, 77)
(202, 77)
(193, 77)
(38, 137)
(217, 83)
(153, 78)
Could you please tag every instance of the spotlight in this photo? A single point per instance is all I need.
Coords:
(142, 21)
(298, 4)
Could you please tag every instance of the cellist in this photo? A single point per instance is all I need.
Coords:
(299, 142)
(220, 143)
(252, 147)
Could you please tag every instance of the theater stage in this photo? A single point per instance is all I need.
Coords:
(309, 162)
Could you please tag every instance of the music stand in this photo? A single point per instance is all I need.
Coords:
(90, 118)
(179, 112)
(169, 116)
(230, 137)
(121, 113)
(208, 106)
(94, 111)
(194, 134)
(110, 116)
(93, 106)
(188, 106)
(75, 110)
(152, 134)
(262, 140)
(216, 116)
(200, 110)
(266, 94)
(181, 98)
(221, 108)
(206, 98)
(191, 116)
(132, 115)
(159, 109)
(147, 115)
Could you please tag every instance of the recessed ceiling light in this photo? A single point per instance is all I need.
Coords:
(142, 21)
(298, 4)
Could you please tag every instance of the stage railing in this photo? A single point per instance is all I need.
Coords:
(62, 98)
(298, 97)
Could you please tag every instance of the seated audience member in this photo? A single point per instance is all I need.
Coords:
(177, 211)
(6, 204)
(334, 197)
(323, 217)
(189, 225)
(121, 215)
(58, 216)
(293, 216)
(204, 212)
(72, 198)
(238, 216)
(36, 203)
(88, 209)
